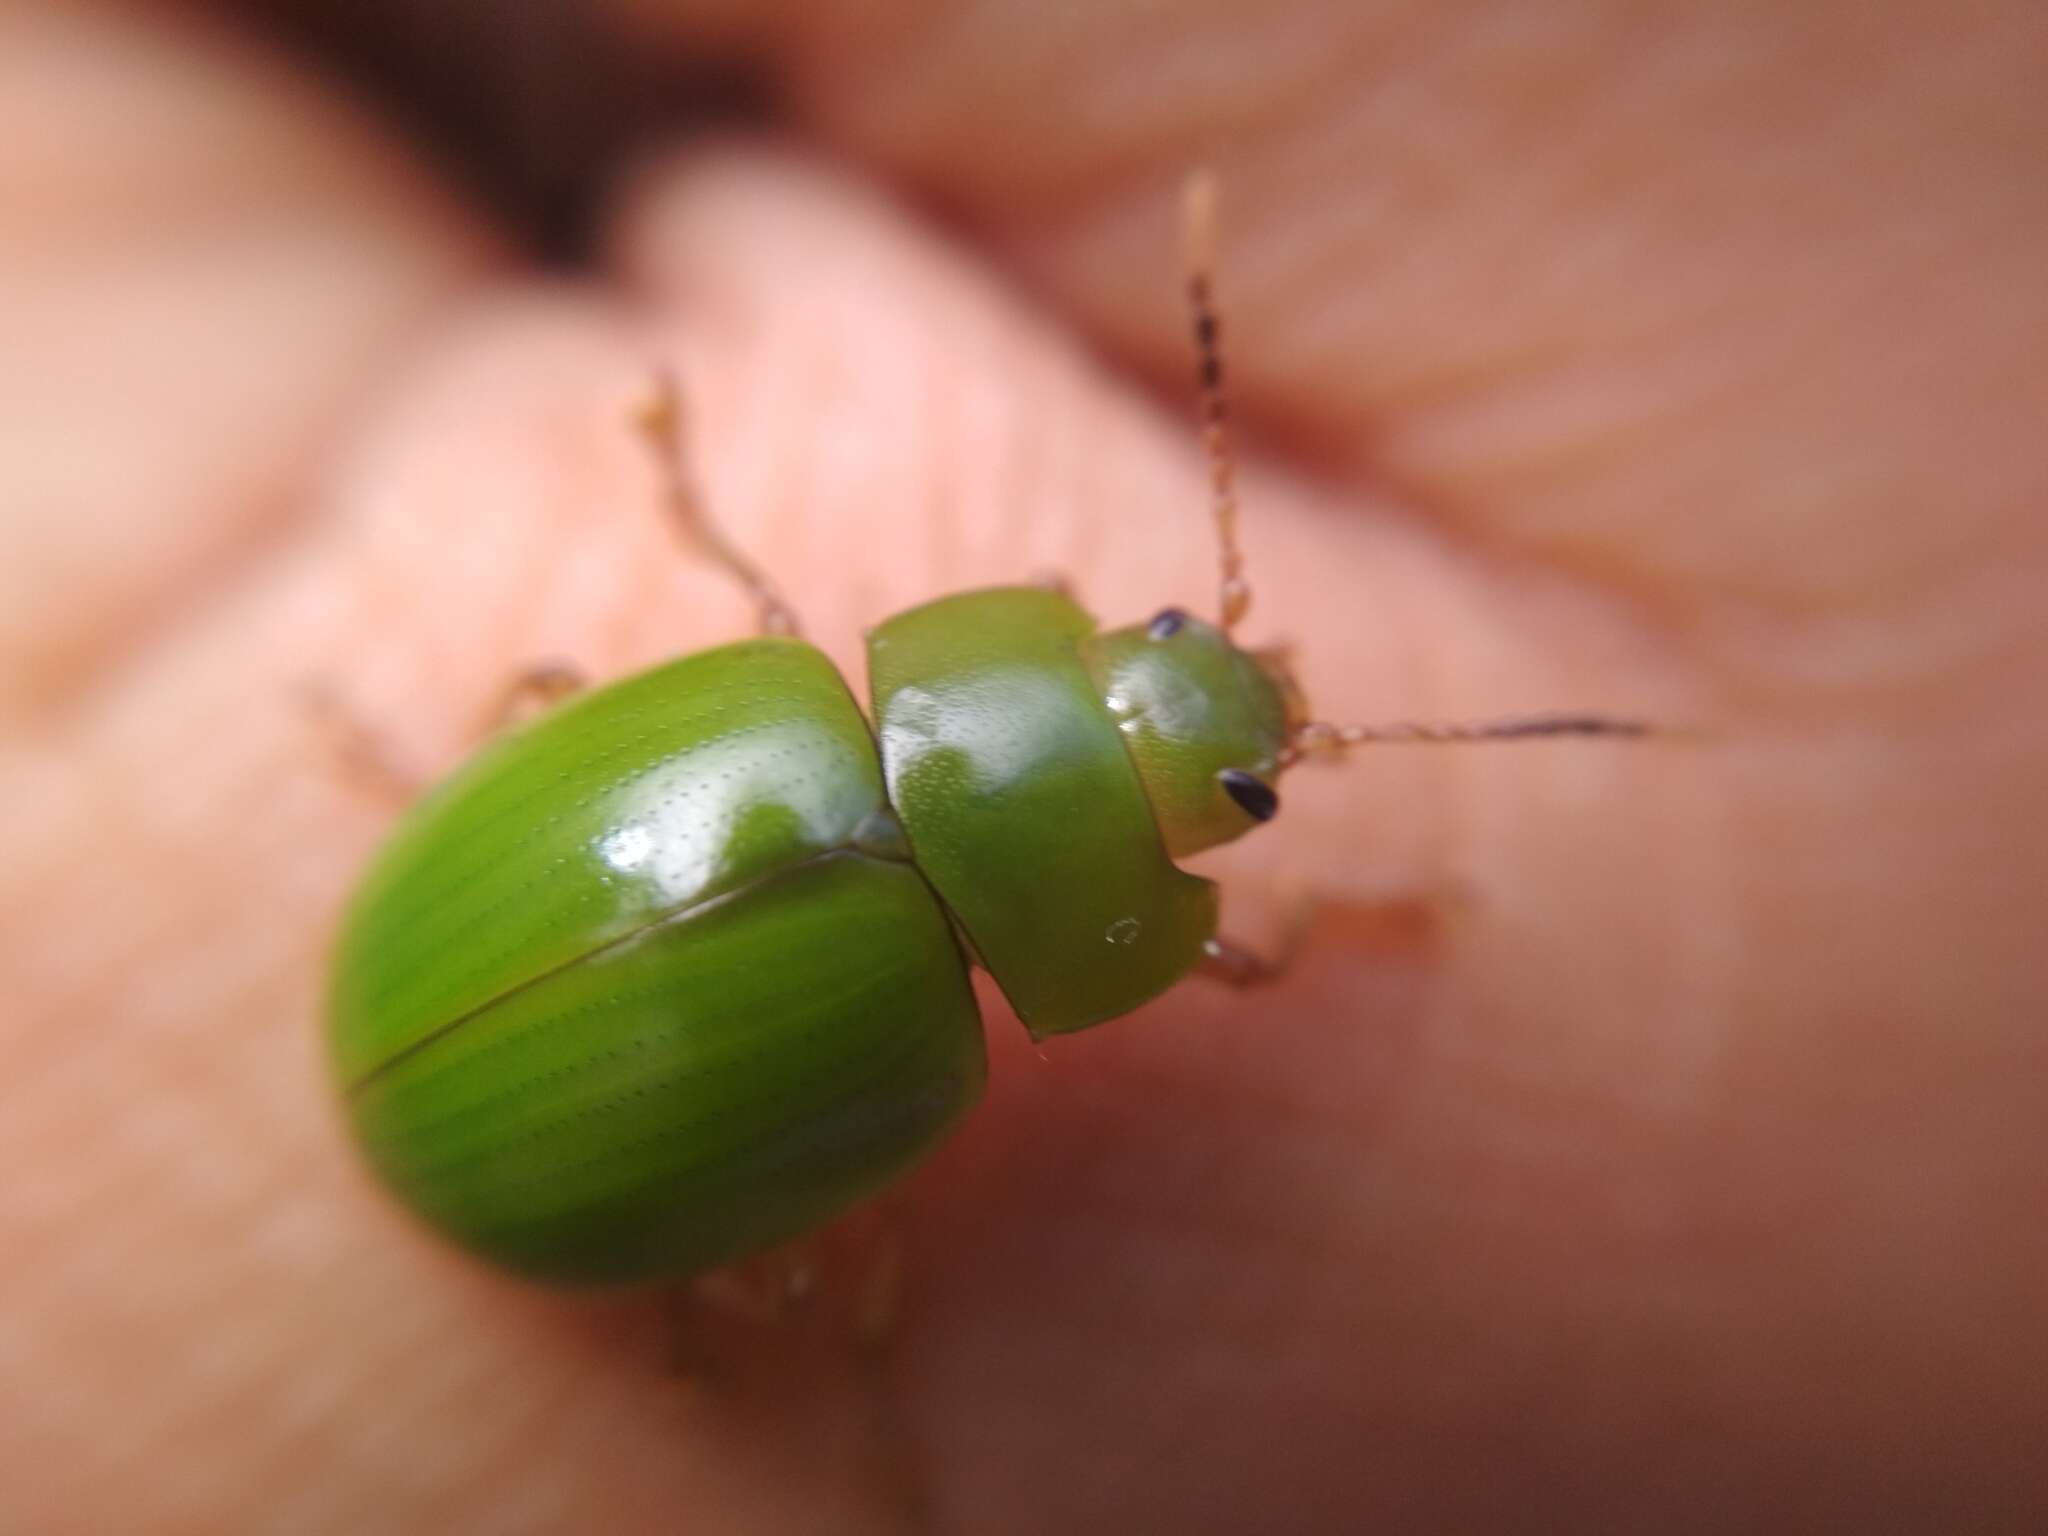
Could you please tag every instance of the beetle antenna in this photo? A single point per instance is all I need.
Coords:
(1198, 252)
(661, 422)
(1317, 736)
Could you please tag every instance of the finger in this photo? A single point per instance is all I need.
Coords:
(1663, 298)
(873, 414)
(1643, 996)
(880, 422)
(878, 456)
(205, 264)
(1469, 1131)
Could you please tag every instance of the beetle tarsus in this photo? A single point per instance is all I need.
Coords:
(1236, 966)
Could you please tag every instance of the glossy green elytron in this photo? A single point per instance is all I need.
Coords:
(681, 969)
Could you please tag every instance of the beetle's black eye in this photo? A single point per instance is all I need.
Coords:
(1166, 624)
(1254, 796)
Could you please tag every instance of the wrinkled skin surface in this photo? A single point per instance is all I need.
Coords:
(1650, 1136)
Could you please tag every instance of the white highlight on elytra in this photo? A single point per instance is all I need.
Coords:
(672, 826)
(625, 849)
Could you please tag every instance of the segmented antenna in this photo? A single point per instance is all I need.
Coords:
(1198, 240)
(1318, 736)
(1198, 249)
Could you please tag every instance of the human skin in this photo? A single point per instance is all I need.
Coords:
(1650, 1136)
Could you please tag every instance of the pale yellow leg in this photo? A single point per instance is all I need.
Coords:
(661, 422)
(528, 692)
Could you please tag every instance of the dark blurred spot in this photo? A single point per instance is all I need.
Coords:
(532, 107)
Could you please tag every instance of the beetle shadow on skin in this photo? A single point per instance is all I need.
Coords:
(1172, 1103)
(832, 1293)
(1002, 1225)
(1357, 981)
(774, 1370)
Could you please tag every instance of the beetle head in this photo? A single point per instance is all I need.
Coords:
(1205, 721)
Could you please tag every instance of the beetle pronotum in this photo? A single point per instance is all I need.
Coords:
(679, 969)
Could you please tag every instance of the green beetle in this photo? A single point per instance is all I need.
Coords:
(680, 970)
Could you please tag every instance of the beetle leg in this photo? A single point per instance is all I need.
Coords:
(879, 1300)
(763, 1291)
(764, 1287)
(661, 423)
(373, 766)
(847, 1277)
(1056, 582)
(365, 758)
(529, 691)
(1237, 966)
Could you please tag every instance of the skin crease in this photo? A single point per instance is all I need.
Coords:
(1649, 1135)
